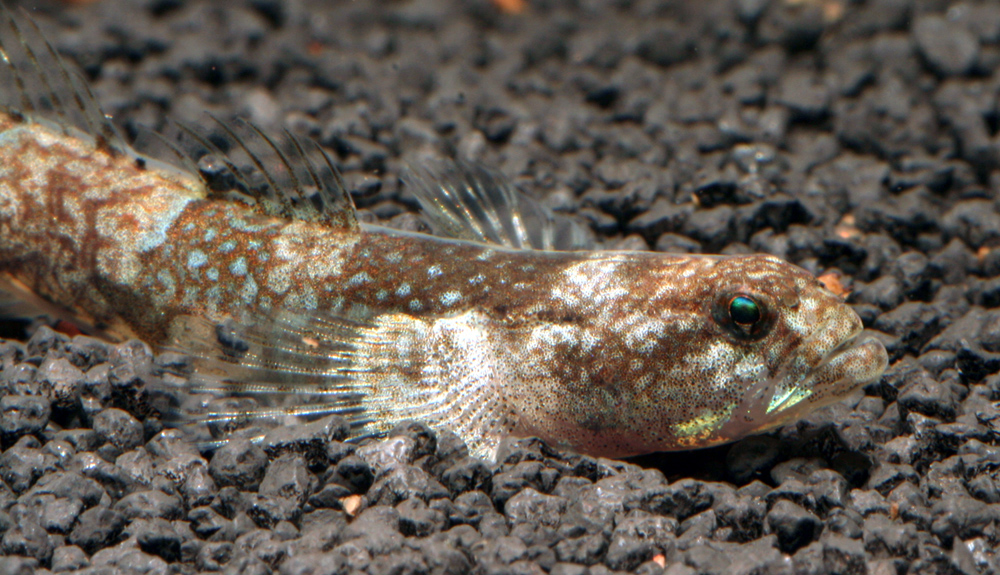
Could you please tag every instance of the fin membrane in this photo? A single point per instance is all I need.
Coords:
(472, 202)
(37, 84)
(242, 378)
(283, 176)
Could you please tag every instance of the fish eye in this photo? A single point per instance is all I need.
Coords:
(744, 311)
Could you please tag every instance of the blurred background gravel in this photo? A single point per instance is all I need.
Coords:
(857, 137)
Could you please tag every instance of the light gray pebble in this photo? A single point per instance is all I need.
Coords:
(69, 558)
(119, 429)
(23, 414)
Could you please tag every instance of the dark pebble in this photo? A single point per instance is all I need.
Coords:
(309, 439)
(794, 525)
(157, 537)
(97, 528)
(238, 463)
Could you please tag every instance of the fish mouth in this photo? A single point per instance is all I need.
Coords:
(796, 389)
(855, 362)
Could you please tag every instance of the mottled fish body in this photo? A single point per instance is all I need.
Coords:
(609, 353)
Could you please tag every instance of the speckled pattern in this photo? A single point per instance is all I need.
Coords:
(851, 136)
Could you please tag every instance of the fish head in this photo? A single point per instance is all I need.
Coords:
(669, 353)
(779, 345)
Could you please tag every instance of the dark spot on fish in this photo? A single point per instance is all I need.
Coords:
(229, 337)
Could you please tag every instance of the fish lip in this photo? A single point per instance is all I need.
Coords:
(869, 358)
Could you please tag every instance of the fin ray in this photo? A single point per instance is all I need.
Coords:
(44, 87)
(469, 201)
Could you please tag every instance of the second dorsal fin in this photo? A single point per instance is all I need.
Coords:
(469, 201)
(284, 175)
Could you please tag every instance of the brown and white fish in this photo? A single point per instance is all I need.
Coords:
(283, 295)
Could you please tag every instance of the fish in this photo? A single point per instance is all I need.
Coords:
(244, 252)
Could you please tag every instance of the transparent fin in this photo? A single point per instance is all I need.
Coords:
(469, 201)
(17, 301)
(242, 378)
(36, 83)
(285, 176)
(282, 175)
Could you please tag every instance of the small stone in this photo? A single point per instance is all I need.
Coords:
(22, 464)
(119, 429)
(949, 48)
(61, 380)
(98, 528)
(23, 414)
(45, 339)
(238, 463)
(157, 537)
(27, 538)
(150, 504)
(309, 439)
(69, 558)
(794, 525)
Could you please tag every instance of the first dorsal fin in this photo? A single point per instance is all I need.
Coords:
(282, 175)
(37, 84)
(469, 201)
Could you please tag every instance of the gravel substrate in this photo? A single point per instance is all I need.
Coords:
(858, 136)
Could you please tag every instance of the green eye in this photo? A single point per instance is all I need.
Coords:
(744, 310)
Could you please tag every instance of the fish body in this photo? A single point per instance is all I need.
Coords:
(608, 353)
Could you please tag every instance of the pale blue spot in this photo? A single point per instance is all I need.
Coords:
(156, 234)
(403, 290)
(415, 305)
(196, 259)
(359, 278)
(254, 244)
(433, 271)
(213, 295)
(249, 291)
(210, 234)
(188, 227)
(243, 225)
(393, 257)
(212, 274)
(381, 294)
(167, 279)
(451, 298)
(238, 267)
(227, 246)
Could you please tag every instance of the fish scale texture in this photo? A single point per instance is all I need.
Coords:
(855, 136)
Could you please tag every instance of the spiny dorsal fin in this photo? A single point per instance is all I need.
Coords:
(37, 84)
(469, 201)
(285, 176)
